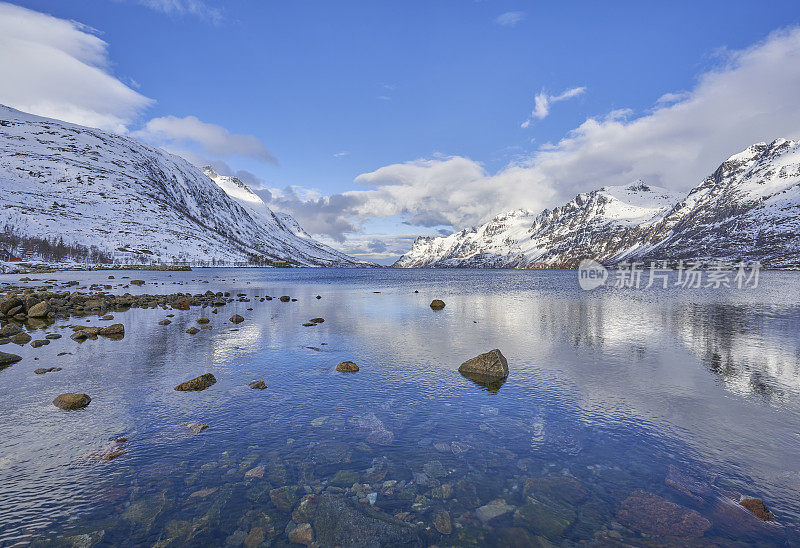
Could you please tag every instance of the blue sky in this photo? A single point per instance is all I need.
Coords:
(355, 97)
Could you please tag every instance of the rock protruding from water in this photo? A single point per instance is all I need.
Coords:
(196, 427)
(757, 508)
(198, 383)
(40, 310)
(653, 515)
(347, 367)
(437, 304)
(181, 304)
(489, 366)
(71, 401)
(113, 330)
(258, 385)
(7, 359)
(236, 318)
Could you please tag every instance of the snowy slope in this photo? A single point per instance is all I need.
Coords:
(523, 239)
(748, 209)
(279, 223)
(143, 204)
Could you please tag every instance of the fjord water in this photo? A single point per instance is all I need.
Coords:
(613, 388)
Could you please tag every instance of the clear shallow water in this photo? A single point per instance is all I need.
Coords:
(610, 391)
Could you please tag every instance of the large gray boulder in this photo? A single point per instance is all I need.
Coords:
(489, 366)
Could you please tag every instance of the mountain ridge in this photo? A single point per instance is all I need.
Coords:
(747, 209)
(135, 201)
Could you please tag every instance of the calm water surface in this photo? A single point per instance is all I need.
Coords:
(693, 395)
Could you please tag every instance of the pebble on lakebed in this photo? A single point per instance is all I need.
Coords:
(71, 401)
(437, 304)
(347, 367)
(198, 383)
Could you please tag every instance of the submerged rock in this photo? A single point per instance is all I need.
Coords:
(373, 428)
(490, 366)
(347, 367)
(653, 515)
(258, 385)
(42, 370)
(317, 320)
(193, 331)
(493, 510)
(302, 534)
(10, 329)
(442, 522)
(71, 401)
(340, 522)
(286, 299)
(437, 304)
(7, 359)
(198, 383)
(284, 498)
(236, 318)
(39, 343)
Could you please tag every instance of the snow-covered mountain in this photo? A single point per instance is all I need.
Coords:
(748, 209)
(135, 201)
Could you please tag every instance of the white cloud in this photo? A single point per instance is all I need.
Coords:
(751, 97)
(510, 18)
(59, 69)
(214, 140)
(196, 8)
(542, 102)
(341, 154)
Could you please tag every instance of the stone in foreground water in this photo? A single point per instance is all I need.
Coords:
(347, 367)
(198, 383)
(71, 401)
(491, 365)
(7, 359)
(437, 304)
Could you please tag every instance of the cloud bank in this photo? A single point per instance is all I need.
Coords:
(750, 97)
(60, 69)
